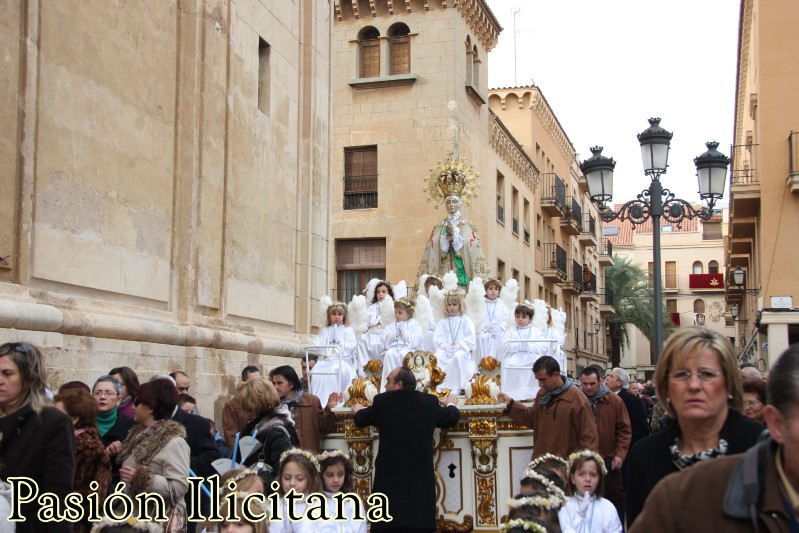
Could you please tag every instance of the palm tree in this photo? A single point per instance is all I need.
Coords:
(633, 302)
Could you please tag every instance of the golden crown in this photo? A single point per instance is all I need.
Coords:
(452, 177)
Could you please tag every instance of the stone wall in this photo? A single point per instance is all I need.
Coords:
(164, 184)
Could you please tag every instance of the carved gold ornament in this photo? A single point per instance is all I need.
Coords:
(482, 390)
(362, 391)
(485, 495)
(451, 526)
(484, 456)
(482, 427)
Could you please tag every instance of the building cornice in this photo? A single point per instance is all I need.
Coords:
(744, 44)
(543, 111)
(476, 13)
(509, 149)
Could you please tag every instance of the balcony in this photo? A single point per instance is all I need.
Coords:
(573, 285)
(793, 161)
(554, 263)
(588, 235)
(606, 302)
(571, 223)
(553, 195)
(589, 293)
(744, 181)
(605, 252)
(706, 282)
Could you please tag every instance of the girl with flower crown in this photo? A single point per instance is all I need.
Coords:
(586, 511)
(400, 337)
(520, 382)
(336, 332)
(338, 476)
(371, 345)
(299, 471)
(455, 339)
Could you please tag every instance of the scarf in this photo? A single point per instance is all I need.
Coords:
(548, 397)
(683, 461)
(278, 415)
(291, 403)
(105, 421)
(131, 443)
(603, 390)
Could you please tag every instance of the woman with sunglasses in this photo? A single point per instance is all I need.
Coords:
(697, 380)
(37, 439)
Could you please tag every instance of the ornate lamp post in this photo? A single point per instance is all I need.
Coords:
(655, 201)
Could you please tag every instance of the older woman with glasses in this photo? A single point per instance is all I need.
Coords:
(754, 399)
(698, 382)
(112, 425)
(36, 439)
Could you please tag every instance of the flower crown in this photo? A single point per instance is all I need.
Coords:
(131, 522)
(546, 458)
(541, 502)
(296, 451)
(550, 487)
(332, 453)
(589, 454)
(407, 303)
(527, 525)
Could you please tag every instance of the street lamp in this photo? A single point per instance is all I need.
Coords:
(734, 309)
(739, 279)
(655, 201)
(597, 326)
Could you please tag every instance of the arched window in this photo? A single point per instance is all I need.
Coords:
(713, 267)
(400, 48)
(475, 67)
(698, 267)
(468, 60)
(369, 45)
(699, 306)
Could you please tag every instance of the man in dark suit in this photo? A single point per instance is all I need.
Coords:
(618, 381)
(404, 468)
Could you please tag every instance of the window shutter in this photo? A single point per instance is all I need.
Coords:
(370, 58)
(400, 55)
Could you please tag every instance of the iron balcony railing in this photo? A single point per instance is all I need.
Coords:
(554, 188)
(744, 166)
(589, 281)
(608, 297)
(555, 256)
(576, 213)
(577, 273)
(605, 247)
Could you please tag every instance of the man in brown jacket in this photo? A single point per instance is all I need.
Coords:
(615, 433)
(311, 421)
(755, 491)
(560, 417)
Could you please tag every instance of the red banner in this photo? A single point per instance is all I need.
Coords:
(706, 281)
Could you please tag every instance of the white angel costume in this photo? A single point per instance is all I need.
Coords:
(556, 349)
(589, 515)
(324, 374)
(489, 340)
(520, 383)
(371, 345)
(399, 338)
(455, 339)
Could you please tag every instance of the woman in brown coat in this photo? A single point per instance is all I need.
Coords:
(91, 458)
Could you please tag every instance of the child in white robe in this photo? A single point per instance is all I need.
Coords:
(586, 511)
(520, 382)
(427, 343)
(371, 345)
(324, 374)
(489, 340)
(455, 340)
(338, 476)
(556, 349)
(400, 337)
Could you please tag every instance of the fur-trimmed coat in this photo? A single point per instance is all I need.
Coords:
(92, 463)
(161, 462)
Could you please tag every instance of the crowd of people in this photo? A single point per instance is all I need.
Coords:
(597, 464)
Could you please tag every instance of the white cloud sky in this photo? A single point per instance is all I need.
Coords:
(605, 67)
